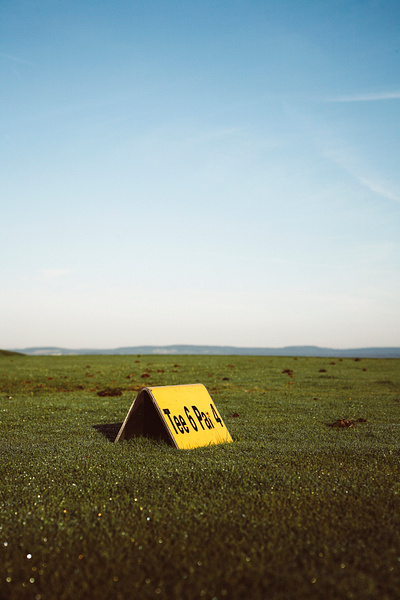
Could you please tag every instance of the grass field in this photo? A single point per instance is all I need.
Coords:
(303, 505)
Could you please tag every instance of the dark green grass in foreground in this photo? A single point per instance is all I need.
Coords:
(292, 509)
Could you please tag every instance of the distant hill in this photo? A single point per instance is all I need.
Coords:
(223, 350)
(10, 353)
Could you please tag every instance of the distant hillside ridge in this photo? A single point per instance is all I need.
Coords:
(10, 353)
(378, 352)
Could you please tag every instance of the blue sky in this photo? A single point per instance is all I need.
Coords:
(202, 172)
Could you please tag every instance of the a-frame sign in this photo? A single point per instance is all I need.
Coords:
(182, 415)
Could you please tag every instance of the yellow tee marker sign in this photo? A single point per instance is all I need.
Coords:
(183, 415)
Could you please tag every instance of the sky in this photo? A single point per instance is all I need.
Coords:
(220, 172)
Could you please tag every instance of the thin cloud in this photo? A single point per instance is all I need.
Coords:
(343, 158)
(335, 149)
(367, 97)
(379, 189)
(347, 163)
(16, 59)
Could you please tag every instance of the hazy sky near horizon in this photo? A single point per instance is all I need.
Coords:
(200, 172)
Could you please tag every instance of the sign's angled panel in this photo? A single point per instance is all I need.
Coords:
(184, 415)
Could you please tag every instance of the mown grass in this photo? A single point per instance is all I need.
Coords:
(294, 508)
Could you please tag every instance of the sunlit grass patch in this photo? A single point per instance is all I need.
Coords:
(294, 508)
